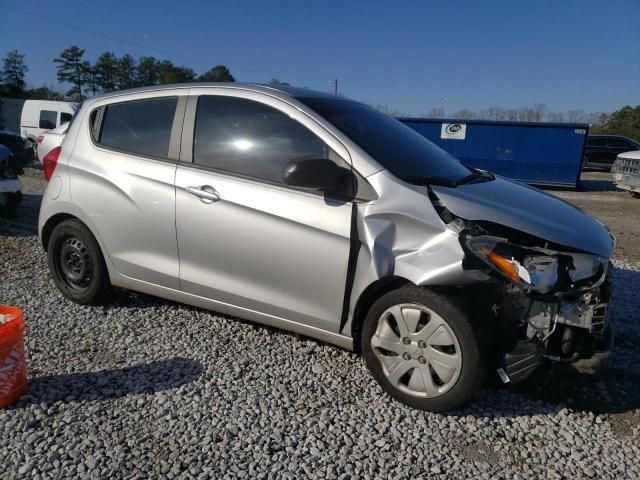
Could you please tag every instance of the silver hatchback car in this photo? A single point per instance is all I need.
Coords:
(320, 215)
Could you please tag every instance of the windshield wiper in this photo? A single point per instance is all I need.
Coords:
(442, 181)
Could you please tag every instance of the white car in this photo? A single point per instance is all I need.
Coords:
(626, 172)
(49, 140)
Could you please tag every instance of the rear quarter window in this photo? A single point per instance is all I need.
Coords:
(141, 127)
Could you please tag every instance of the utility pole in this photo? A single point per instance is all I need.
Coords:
(443, 100)
(335, 87)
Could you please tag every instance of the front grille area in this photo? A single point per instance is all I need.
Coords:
(629, 166)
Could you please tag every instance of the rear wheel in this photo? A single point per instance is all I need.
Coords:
(76, 263)
(422, 349)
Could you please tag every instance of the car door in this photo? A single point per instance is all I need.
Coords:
(122, 178)
(245, 239)
(596, 151)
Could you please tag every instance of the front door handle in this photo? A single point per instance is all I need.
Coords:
(206, 193)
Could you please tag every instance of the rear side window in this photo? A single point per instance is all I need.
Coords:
(620, 143)
(251, 139)
(596, 142)
(48, 119)
(65, 117)
(141, 127)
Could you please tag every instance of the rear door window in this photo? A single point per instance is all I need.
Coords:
(48, 119)
(141, 127)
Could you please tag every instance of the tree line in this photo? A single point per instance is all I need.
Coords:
(625, 121)
(108, 73)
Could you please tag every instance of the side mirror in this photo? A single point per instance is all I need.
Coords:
(316, 173)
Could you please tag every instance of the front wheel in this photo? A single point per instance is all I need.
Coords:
(422, 349)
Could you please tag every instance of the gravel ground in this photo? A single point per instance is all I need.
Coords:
(147, 388)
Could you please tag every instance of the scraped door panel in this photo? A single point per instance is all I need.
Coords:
(263, 247)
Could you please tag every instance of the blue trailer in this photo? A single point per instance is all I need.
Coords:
(531, 152)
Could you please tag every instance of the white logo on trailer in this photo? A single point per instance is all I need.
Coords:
(453, 131)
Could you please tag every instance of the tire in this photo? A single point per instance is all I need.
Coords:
(443, 363)
(76, 264)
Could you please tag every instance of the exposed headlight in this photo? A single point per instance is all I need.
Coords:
(539, 269)
(528, 268)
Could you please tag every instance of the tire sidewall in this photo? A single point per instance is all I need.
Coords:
(472, 371)
(99, 284)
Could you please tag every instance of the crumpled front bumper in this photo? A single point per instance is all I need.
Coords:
(591, 339)
(602, 350)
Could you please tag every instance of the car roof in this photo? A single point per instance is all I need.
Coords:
(280, 90)
(602, 135)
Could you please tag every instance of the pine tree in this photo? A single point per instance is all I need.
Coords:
(71, 68)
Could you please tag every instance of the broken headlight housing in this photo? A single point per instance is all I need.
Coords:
(538, 269)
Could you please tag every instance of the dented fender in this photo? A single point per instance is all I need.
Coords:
(401, 235)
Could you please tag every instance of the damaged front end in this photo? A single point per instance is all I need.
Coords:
(552, 304)
(548, 264)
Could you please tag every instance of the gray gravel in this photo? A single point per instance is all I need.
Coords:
(147, 388)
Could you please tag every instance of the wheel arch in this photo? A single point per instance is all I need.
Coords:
(52, 223)
(367, 298)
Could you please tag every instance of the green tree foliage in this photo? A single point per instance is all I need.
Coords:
(12, 76)
(219, 73)
(71, 68)
(111, 73)
(625, 121)
(107, 70)
(126, 77)
(44, 93)
(147, 73)
(170, 73)
(91, 78)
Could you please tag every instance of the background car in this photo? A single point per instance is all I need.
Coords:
(49, 140)
(626, 172)
(10, 185)
(21, 149)
(601, 150)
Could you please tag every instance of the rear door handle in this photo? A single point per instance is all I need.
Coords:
(206, 193)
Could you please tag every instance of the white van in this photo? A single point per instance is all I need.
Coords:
(41, 115)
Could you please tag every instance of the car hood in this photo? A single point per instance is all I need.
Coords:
(529, 210)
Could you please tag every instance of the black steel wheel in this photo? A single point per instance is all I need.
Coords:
(76, 263)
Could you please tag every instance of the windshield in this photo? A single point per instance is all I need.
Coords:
(397, 147)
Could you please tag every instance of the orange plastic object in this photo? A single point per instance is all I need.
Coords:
(13, 373)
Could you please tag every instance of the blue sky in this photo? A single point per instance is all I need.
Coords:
(568, 54)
